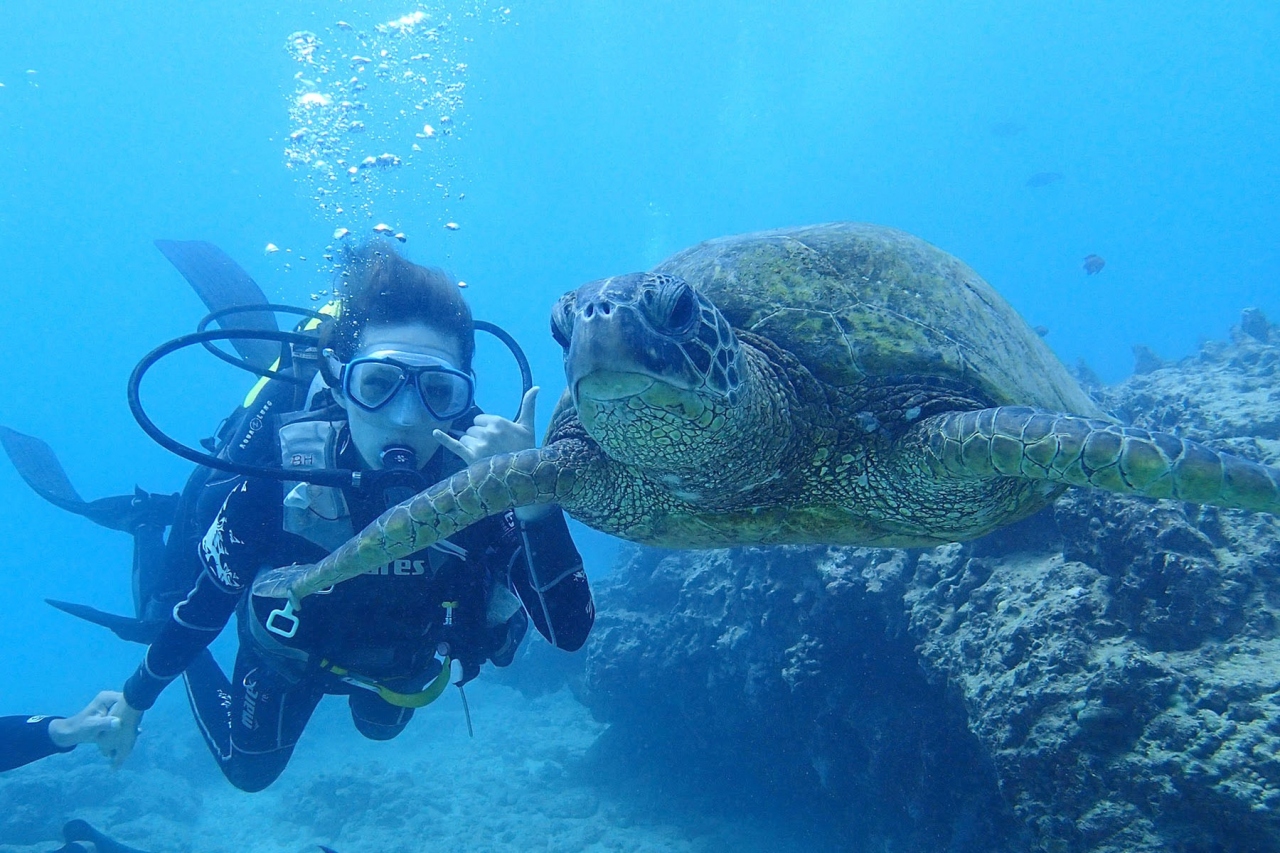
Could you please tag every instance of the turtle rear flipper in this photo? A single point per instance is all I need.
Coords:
(1015, 441)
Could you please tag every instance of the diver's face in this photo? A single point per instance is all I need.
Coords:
(404, 419)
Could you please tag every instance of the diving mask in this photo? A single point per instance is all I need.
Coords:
(372, 382)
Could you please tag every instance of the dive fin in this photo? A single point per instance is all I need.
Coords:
(125, 627)
(79, 830)
(39, 467)
(222, 283)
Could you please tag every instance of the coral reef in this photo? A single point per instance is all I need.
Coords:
(1102, 677)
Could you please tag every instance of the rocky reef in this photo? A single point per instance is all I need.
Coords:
(1103, 677)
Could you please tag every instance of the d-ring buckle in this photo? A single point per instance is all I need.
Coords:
(282, 620)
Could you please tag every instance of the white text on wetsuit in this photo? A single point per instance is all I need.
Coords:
(401, 567)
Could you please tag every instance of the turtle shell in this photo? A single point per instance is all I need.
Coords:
(854, 301)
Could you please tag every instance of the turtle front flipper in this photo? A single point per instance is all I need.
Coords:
(488, 487)
(1037, 445)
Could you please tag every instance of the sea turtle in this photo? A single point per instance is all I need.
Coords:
(841, 384)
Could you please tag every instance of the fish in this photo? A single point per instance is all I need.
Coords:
(1043, 179)
(1093, 264)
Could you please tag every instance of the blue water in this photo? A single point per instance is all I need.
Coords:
(593, 138)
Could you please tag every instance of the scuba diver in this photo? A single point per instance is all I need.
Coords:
(390, 411)
(26, 739)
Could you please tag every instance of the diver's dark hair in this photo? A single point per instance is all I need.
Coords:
(380, 288)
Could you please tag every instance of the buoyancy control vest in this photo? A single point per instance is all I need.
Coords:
(461, 596)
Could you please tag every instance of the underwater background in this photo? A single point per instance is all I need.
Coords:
(566, 141)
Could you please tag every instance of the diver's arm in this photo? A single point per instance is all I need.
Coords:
(546, 571)
(26, 739)
(230, 552)
(195, 622)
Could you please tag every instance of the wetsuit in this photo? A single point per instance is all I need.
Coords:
(385, 626)
(26, 739)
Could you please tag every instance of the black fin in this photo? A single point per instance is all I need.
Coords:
(222, 283)
(79, 830)
(38, 465)
(125, 627)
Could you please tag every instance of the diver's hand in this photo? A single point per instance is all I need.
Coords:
(491, 435)
(119, 743)
(94, 723)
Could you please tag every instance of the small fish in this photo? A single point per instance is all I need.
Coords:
(383, 228)
(1043, 179)
(400, 235)
(339, 233)
(270, 249)
(462, 284)
(452, 226)
(1093, 264)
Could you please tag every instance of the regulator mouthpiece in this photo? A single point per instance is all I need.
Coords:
(397, 457)
(399, 478)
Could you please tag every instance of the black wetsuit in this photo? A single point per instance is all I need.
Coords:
(26, 739)
(384, 626)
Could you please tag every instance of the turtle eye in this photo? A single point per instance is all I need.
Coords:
(671, 306)
(562, 321)
(682, 312)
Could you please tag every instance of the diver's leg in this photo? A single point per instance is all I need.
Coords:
(252, 723)
(1032, 444)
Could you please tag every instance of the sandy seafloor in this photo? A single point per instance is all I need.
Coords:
(526, 781)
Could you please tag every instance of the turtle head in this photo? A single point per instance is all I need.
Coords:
(655, 370)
